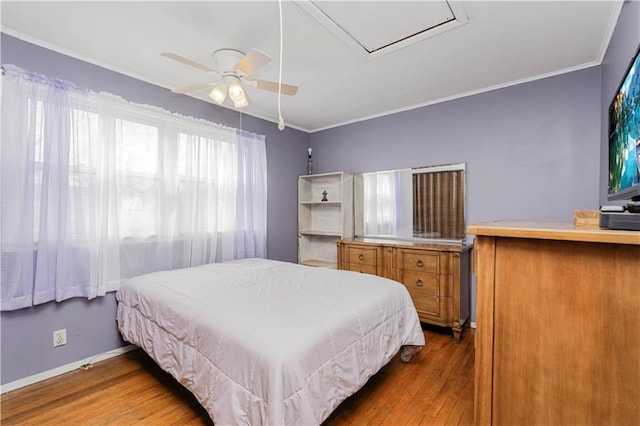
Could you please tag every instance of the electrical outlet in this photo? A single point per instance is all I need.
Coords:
(60, 337)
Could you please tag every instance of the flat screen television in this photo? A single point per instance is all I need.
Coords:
(624, 136)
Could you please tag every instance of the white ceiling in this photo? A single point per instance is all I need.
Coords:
(493, 45)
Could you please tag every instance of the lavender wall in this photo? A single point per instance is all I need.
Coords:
(91, 329)
(532, 151)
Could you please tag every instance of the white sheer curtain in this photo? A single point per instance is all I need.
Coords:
(95, 190)
(382, 192)
(251, 229)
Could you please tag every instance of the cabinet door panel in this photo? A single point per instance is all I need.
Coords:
(579, 338)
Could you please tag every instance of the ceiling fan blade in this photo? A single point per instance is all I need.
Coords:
(194, 87)
(250, 62)
(189, 62)
(272, 86)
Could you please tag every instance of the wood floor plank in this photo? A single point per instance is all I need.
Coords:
(435, 388)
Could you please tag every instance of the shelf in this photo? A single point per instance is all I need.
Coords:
(321, 203)
(322, 223)
(337, 234)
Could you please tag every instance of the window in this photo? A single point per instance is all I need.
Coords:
(95, 190)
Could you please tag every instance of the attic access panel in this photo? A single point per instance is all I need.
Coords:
(375, 28)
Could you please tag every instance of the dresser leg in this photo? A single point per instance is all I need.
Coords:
(457, 331)
(457, 335)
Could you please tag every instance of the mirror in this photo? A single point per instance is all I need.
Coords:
(421, 203)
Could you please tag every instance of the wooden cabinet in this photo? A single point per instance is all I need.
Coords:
(557, 337)
(436, 275)
(325, 214)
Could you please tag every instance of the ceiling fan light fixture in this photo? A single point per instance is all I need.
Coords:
(218, 94)
(242, 101)
(237, 94)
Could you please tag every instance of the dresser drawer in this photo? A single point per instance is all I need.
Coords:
(415, 261)
(433, 309)
(365, 269)
(426, 304)
(422, 282)
(362, 256)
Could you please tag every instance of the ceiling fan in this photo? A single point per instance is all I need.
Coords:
(232, 67)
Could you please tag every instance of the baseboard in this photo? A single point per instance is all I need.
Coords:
(64, 369)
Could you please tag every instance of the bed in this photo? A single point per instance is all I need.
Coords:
(266, 342)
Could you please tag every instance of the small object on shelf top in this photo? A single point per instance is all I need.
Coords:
(309, 162)
(612, 208)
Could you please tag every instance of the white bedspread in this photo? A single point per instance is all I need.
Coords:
(266, 342)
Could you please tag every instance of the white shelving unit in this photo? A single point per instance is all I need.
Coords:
(322, 223)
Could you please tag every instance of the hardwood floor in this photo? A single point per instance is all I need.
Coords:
(435, 388)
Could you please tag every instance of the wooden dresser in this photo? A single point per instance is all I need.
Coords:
(558, 325)
(436, 275)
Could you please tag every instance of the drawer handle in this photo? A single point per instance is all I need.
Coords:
(361, 257)
(419, 282)
(419, 263)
